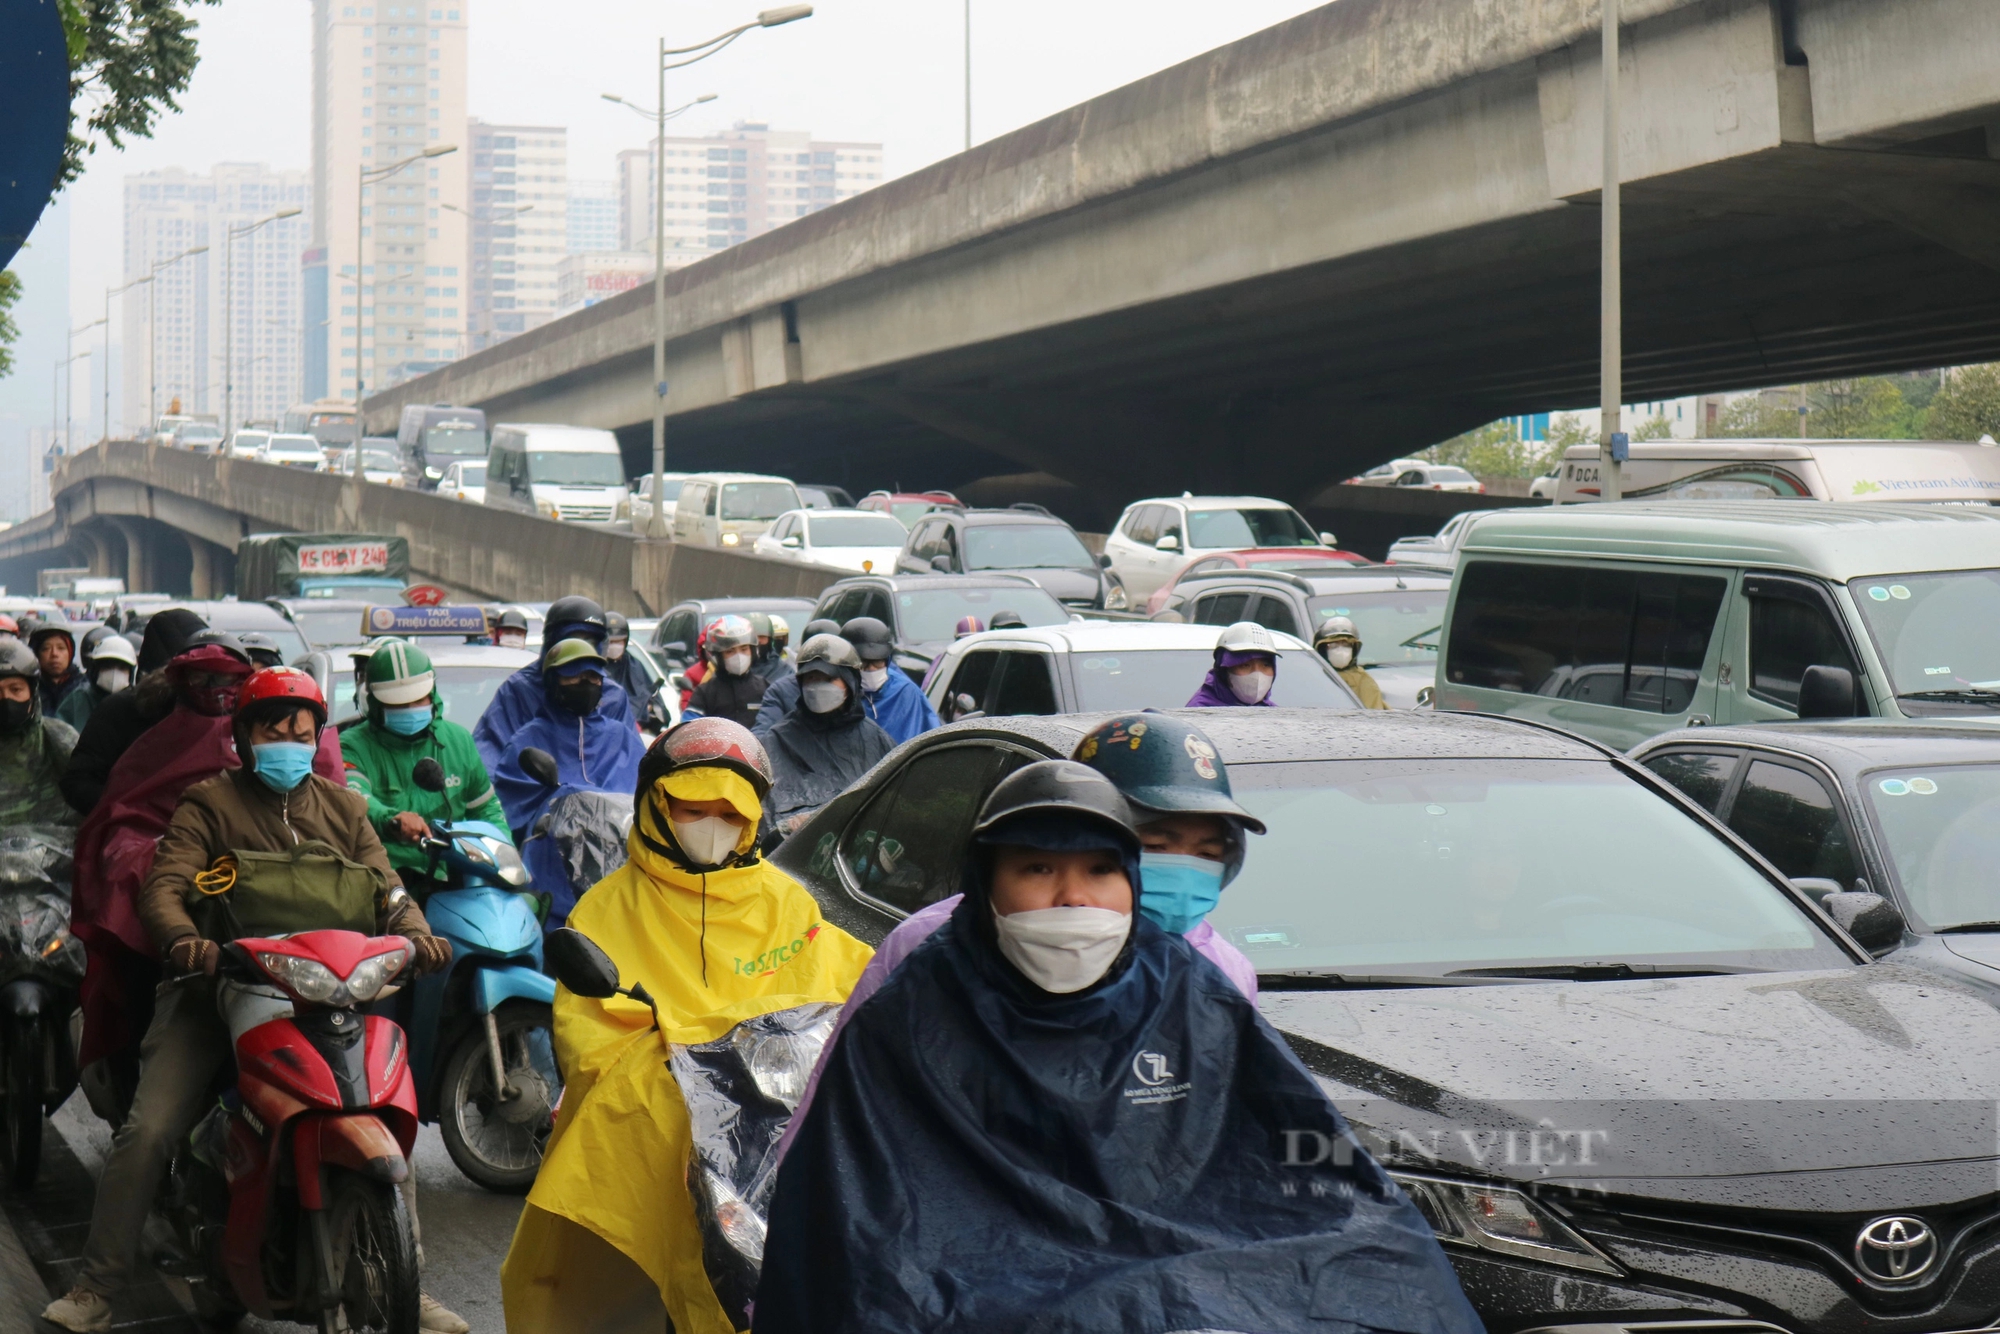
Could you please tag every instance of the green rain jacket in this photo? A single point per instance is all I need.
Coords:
(30, 767)
(380, 765)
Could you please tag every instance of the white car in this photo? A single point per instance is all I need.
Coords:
(1438, 477)
(248, 444)
(642, 497)
(858, 540)
(1439, 552)
(465, 480)
(1544, 486)
(293, 451)
(1154, 538)
(198, 437)
(1385, 474)
(381, 464)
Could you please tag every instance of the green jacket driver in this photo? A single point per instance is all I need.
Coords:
(402, 727)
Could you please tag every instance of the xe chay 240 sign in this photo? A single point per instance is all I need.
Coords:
(345, 558)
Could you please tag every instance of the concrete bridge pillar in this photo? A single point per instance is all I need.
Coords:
(103, 561)
(138, 566)
(212, 569)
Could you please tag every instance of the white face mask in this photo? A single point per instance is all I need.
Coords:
(111, 680)
(736, 662)
(1062, 950)
(709, 841)
(823, 696)
(513, 639)
(1250, 687)
(1340, 655)
(614, 649)
(874, 678)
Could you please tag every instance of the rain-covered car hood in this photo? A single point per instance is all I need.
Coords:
(1865, 1088)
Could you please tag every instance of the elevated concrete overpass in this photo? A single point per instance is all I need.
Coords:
(1352, 234)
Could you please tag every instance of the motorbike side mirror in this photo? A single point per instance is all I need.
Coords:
(428, 775)
(1875, 923)
(1827, 692)
(580, 965)
(541, 766)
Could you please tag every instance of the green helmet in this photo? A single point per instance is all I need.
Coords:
(1164, 766)
(399, 674)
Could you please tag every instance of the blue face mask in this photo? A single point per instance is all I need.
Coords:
(407, 722)
(1175, 891)
(283, 765)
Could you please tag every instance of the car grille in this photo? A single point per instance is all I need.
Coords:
(585, 513)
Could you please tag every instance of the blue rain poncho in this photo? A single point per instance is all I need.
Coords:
(900, 708)
(522, 698)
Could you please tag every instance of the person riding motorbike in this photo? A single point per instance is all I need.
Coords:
(33, 748)
(1053, 1116)
(609, 1240)
(892, 699)
(116, 722)
(510, 629)
(1339, 643)
(292, 846)
(772, 664)
(403, 725)
(263, 649)
(733, 692)
(782, 696)
(55, 649)
(1246, 663)
(110, 668)
(621, 664)
(827, 741)
(524, 697)
(592, 747)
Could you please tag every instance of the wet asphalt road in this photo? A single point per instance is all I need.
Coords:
(466, 1232)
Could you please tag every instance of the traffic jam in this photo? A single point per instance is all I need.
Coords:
(1585, 921)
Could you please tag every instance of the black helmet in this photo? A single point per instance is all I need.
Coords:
(263, 650)
(17, 659)
(829, 650)
(573, 617)
(1006, 620)
(1058, 788)
(92, 637)
(871, 639)
(615, 626)
(512, 619)
(1163, 765)
(221, 639)
(822, 626)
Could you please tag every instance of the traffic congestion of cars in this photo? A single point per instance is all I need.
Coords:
(1624, 874)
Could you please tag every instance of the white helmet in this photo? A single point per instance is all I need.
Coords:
(1336, 630)
(115, 648)
(1247, 637)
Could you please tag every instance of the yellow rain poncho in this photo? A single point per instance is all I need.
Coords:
(610, 1210)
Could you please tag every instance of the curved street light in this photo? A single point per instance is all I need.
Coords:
(229, 311)
(153, 336)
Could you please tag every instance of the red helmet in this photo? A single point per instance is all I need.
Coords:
(282, 683)
(9, 625)
(708, 741)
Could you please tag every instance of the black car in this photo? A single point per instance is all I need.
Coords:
(674, 638)
(1910, 811)
(1635, 1079)
(922, 611)
(1026, 540)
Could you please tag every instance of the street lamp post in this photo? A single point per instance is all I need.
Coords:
(656, 523)
(229, 312)
(153, 335)
(366, 176)
(69, 385)
(1612, 446)
(110, 292)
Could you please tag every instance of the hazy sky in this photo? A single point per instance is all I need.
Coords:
(887, 70)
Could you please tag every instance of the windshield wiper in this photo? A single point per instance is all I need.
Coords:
(1603, 972)
(1313, 979)
(1957, 695)
(1968, 926)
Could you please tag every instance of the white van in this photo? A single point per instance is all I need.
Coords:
(1847, 470)
(572, 473)
(730, 509)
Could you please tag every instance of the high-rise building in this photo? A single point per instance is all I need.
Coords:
(593, 217)
(225, 324)
(388, 83)
(732, 186)
(520, 232)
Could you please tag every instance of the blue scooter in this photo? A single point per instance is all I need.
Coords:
(481, 1037)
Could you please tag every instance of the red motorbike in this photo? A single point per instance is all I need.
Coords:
(284, 1198)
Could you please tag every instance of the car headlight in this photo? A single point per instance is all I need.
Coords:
(625, 508)
(365, 983)
(307, 979)
(730, 539)
(1115, 599)
(1499, 1219)
(547, 509)
(432, 473)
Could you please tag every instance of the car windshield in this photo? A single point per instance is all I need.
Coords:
(1279, 527)
(1166, 678)
(325, 626)
(758, 500)
(1939, 634)
(1942, 826)
(909, 511)
(561, 467)
(928, 615)
(1024, 546)
(671, 489)
(1393, 626)
(296, 444)
(855, 530)
(457, 442)
(1447, 474)
(1449, 864)
(472, 474)
(200, 431)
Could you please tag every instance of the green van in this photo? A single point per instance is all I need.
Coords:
(1623, 621)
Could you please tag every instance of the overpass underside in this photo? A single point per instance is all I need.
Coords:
(1352, 235)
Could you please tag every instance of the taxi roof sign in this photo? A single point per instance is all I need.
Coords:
(439, 620)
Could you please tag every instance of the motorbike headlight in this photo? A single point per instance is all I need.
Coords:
(741, 1227)
(365, 983)
(781, 1063)
(307, 979)
(512, 872)
(1500, 1219)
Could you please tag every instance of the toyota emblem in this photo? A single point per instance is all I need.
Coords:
(1896, 1249)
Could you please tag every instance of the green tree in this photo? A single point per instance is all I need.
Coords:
(128, 60)
(1870, 408)
(1968, 406)
(1751, 418)
(10, 292)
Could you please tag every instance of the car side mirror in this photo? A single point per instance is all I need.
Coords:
(541, 766)
(428, 775)
(675, 650)
(1328, 540)
(964, 706)
(1827, 692)
(1103, 560)
(580, 965)
(791, 542)
(941, 564)
(1875, 923)
(1818, 886)
(1167, 543)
